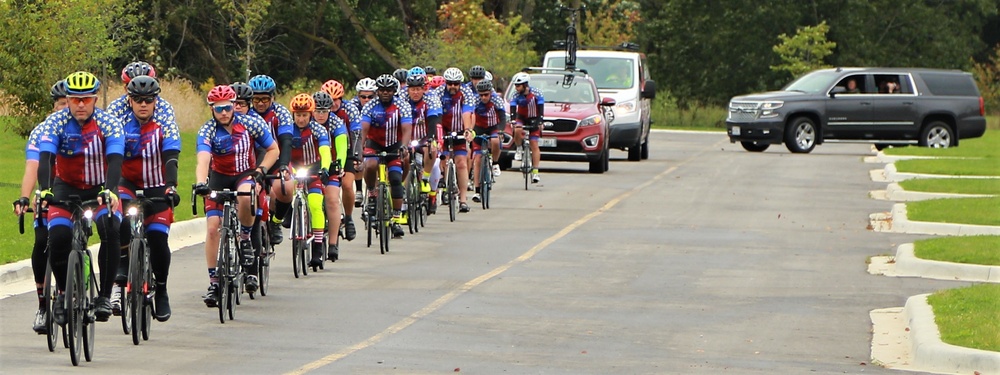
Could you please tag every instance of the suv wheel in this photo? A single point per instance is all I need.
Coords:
(644, 149)
(635, 152)
(800, 136)
(936, 135)
(598, 165)
(754, 146)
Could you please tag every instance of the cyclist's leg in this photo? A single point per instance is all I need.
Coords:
(332, 202)
(316, 203)
(462, 169)
(477, 152)
(281, 201)
(159, 218)
(40, 257)
(495, 133)
(536, 155)
(60, 236)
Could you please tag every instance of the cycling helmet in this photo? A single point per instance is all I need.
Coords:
(323, 100)
(416, 80)
(135, 69)
(302, 103)
(430, 70)
(386, 81)
(221, 93)
(416, 71)
(366, 84)
(243, 90)
(436, 81)
(484, 86)
(400, 75)
(82, 83)
(333, 88)
(143, 86)
(477, 72)
(58, 90)
(520, 78)
(262, 84)
(488, 76)
(453, 75)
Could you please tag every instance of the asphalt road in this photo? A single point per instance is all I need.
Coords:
(703, 258)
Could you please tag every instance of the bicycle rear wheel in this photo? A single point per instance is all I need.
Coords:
(222, 271)
(385, 232)
(296, 239)
(412, 199)
(74, 300)
(134, 294)
(452, 190)
(49, 293)
(147, 292)
(526, 164)
(89, 306)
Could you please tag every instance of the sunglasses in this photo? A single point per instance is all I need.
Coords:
(82, 99)
(321, 112)
(261, 100)
(143, 99)
(366, 96)
(453, 83)
(222, 108)
(241, 103)
(485, 95)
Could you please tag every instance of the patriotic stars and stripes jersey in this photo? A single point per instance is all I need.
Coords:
(233, 153)
(386, 122)
(490, 113)
(81, 150)
(144, 146)
(279, 119)
(31, 149)
(335, 126)
(428, 106)
(527, 106)
(452, 108)
(350, 114)
(163, 113)
(306, 143)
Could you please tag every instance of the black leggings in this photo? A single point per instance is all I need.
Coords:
(159, 246)
(38, 254)
(60, 244)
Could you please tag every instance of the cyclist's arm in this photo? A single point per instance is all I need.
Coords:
(201, 172)
(365, 125)
(270, 157)
(170, 166)
(433, 122)
(340, 143)
(30, 176)
(114, 150)
(45, 164)
(284, 149)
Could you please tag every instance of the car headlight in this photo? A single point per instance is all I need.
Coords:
(625, 107)
(768, 109)
(592, 120)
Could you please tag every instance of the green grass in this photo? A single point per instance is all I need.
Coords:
(954, 167)
(968, 316)
(953, 185)
(978, 211)
(960, 249)
(666, 115)
(986, 146)
(17, 247)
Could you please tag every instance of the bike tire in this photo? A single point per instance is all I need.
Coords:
(73, 298)
(222, 270)
(234, 297)
(368, 222)
(382, 219)
(305, 231)
(485, 173)
(89, 323)
(413, 197)
(134, 294)
(526, 164)
(49, 293)
(147, 292)
(264, 267)
(452, 190)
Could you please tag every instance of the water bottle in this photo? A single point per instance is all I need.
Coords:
(86, 271)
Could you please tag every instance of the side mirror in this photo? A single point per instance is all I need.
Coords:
(608, 102)
(837, 90)
(649, 89)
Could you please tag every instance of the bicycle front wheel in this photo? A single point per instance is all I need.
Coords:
(74, 301)
(384, 218)
(526, 164)
(148, 284)
(89, 326)
(49, 292)
(134, 295)
(296, 238)
(452, 191)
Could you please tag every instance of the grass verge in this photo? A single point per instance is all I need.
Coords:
(953, 167)
(953, 185)
(960, 249)
(986, 146)
(967, 316)
(977, 211)
(666, 115)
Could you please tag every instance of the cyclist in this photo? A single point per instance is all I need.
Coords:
(311, 151)
(527, 107)
(350, 116)
(490, 113)
(152, 147)
(338, 131)
(39, 257)
(476, 73)
(280, 121)
(86, 145)
(400, 76)
(366, 92)
(456, 117)
(426, 120)
(244, 95)
(386, 125)
(431, 71)
(435, 86)
(120, 107)
(226, 153)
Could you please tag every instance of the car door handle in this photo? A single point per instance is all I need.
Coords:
(907, 103)
(866, 103)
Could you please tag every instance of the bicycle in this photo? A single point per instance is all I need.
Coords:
(301, 228)
(382, 207)
(49, 292)
(228, 269)
(137, 303)
(451, 178)
(416, 199)
(485, 169)
(526, 158)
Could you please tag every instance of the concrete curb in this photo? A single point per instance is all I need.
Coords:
(894, 192)
(930, 353)
(182, 234)
(897, 222)
(892, 175)
(908, 265)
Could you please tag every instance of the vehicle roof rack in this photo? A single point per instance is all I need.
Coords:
(579, 72)
(624, 46)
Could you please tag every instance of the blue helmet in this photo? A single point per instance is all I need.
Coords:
(262, 84)
(416, 71)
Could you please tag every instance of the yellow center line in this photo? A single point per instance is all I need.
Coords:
(455, 293)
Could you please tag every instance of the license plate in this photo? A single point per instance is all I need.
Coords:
(547, 142)
(736, 130)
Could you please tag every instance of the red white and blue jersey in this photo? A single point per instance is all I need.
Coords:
(386, 122)
(306, 143)
(278, 118)
(163, 112)
(452, 108)
(526, 105)
(233, 153)
(81, 150)
(490, 113)
(350, 114)
(335, 126)
(428, 106)
(31, 149)
(143, 165)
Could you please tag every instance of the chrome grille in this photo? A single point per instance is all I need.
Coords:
(743, 111)
(560, 125)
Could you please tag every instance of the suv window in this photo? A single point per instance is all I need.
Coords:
(945, 84)
(855, 84)
(815, 82)
(553, 90)
(610, 72)
(893, 84)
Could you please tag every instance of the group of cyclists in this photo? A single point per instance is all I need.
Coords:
(252, 144)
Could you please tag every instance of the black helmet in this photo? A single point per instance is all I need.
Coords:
(400, 75)
(243, 90)
(58, 90)
(430, 70)
(415, 80)
(477, 72)
(323, 100)
(386, 81)
(484, 86)
(143, 86)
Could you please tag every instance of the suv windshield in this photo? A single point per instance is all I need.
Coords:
(608, 72)
(815, 82)
(553, 90)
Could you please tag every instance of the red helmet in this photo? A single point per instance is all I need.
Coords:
(135, 69)
(435, 82)
(221, 93)
(333, 88)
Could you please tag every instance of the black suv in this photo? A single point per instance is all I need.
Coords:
(929, 107)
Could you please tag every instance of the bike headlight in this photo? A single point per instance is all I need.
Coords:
(88, 214)
(414, 143)
(625, 107)
(302, 173)
(592, 120)
(132, 211)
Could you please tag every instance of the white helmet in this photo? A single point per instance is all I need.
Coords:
(453, 75)
(520, 78)
(489, 76)
(366, 84)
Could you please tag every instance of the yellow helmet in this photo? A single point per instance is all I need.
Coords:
(82, 83)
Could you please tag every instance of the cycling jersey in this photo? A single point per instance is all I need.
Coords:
(491, 113)
(31, 149)
(426, 107)
(306, 143)
(386, 122)
(527, 106)
(452, 109)
(163, 112)
(279, 119)
(335, 126)
(145, 144)
(233, 153)
(80, 149)
(350, 114)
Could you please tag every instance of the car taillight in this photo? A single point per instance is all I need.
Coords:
(982, 107)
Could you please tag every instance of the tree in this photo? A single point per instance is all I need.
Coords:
(988, 79)
(805, 51)
(610, 22)
(247, 18)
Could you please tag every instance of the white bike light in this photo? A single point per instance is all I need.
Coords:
(302, 173)
(88, 214)
(132, 211)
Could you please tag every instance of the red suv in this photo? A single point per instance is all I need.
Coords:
(575, 124)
